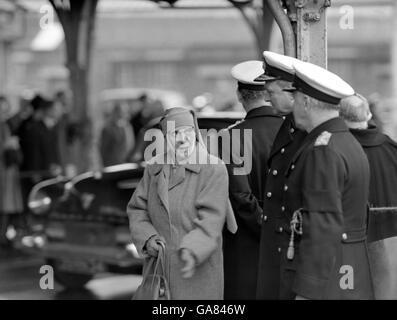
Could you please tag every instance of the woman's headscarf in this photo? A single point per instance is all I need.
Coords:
(187, 117)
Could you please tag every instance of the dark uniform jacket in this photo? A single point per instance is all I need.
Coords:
(288, 140)
(328, 183)
(245, 192)
(382, 156)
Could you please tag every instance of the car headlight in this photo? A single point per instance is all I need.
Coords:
(39, 203)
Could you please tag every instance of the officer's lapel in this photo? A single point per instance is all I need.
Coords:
(283, 138)
(305, 144)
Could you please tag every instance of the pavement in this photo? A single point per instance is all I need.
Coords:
(20, 280)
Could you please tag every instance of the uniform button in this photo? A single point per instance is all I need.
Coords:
(292, 130)
(282, 150)
(344, 236)
(285, 188)
(280, 229)
(264, 218)
(293, 167)
(275, 172)
(279, 249)
(269, 194)
(282, 208)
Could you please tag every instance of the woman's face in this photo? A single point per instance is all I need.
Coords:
(182, 141)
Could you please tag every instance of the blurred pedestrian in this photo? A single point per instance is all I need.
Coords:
(10, 191)
(137, 121)
(117, 138)
(66, 134)
(247, 187)
(183, 204)
(382, 231)
(40, 144)
(386, 114)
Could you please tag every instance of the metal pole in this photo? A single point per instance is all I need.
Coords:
(312, 31)
(3, 67)
(394, 51)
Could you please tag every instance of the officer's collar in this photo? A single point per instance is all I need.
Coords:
(332, 125)
(369, 137)
(265, 110)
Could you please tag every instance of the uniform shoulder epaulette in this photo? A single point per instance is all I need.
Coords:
(323, 139)
(233, 125)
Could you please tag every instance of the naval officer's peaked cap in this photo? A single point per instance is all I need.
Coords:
(246, 73)
(278, 66)
(320, 83)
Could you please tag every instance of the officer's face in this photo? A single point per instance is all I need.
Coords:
(300, 110)
(281, 101)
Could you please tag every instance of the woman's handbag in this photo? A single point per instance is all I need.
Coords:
(154, 285)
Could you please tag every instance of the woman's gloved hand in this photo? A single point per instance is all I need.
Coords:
(190, 263)
(152, 245)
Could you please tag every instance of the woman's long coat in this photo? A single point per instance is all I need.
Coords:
(190, 213)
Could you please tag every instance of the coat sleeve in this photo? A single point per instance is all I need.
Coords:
(140, 224)
(212, 205)
(245, 205)
(322, 182)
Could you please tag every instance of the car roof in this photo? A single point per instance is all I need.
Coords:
(169, 97)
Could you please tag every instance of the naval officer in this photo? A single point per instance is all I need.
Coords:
(247, 183)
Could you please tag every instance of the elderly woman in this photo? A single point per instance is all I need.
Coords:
(183, 204)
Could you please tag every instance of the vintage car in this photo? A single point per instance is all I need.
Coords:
(80, 225)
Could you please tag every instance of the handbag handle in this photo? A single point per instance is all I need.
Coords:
(160, 261)
(155, 261)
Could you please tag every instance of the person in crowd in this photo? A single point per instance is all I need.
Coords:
(246, 188)
(137, 121)
(325, 196)
(386, 113)
(117, 138)
(279, 73)
(10, 190)
(183, 203)
(66, 136)
(40, 143)
(381, 151)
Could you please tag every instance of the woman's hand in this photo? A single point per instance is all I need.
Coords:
(190, 263)
(152, 246)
